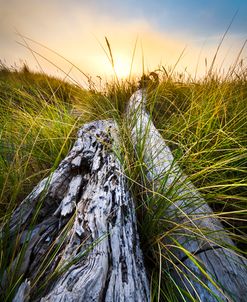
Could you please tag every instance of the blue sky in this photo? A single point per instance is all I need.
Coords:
(195, 17)
(76, 28)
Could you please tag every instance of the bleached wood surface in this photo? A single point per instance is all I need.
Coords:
(99, 256)
(191, 220)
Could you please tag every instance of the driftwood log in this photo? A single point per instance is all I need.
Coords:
(84, 232)
(216, 273)
(77, 231)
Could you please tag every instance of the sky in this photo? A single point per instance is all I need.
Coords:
(162, 30)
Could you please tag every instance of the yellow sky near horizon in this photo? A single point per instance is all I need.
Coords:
(78, 35)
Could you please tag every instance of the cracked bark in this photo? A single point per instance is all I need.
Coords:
(191, 219)
(86, 214)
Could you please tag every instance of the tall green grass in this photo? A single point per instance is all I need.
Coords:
(204, 122)
(205, 125)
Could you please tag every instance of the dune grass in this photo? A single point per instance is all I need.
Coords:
(204, 122)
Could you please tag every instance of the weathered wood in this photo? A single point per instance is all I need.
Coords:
(23, 292)
(223, 273)
(86, 211)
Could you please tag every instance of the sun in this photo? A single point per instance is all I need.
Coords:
(122, 66)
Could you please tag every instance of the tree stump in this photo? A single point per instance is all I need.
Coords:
(78, 228)
(198, 245)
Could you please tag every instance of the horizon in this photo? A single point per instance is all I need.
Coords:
(162, 33)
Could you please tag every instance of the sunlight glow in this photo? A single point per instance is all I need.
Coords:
(122, 66)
